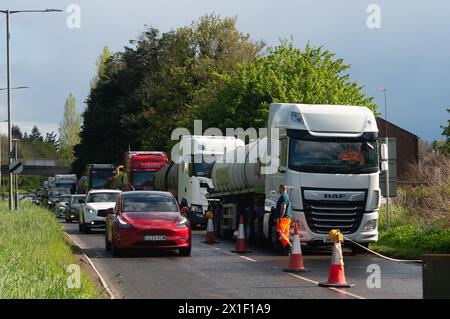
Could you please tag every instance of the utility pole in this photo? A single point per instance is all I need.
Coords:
(8, 62)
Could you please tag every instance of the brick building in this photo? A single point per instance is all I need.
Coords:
(407, 146)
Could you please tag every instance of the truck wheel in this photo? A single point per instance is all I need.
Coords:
(357, 249)
(226, 233)
(217, 224)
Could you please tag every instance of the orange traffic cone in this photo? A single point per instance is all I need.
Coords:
(210, 238)
(296, 258)
(336, 277)
(241, 244)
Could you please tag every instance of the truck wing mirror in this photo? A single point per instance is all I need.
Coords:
(384, 151)
(384, 166)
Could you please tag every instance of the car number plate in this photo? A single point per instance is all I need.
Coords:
(154, 238)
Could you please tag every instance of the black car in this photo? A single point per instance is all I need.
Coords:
(73, 207)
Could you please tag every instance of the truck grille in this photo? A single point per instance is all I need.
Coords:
(323, 215)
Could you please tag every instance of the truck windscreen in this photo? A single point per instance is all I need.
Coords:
(144, 181)
(203, 169)
(333, 156)
(99, 178)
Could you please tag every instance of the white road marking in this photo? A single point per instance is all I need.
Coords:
(331, 288)
(102, 280)
(248, 258)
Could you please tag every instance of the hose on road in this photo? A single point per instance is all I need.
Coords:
(414, 261)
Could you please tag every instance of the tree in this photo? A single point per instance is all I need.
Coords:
(156, 85)
(69, 129)
(52, 139)
(285, 74)
(444, 147)
(102, 60)
(16, 132)
(35, 135)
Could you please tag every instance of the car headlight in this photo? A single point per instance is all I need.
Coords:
(370, 225)
(183, 222)
(90, 211)
(121, 223)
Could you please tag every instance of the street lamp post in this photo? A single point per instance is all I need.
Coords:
(8, 61)
(387, 144)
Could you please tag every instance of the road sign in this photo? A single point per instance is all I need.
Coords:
(15, 167)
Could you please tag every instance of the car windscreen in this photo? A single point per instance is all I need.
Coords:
(76, 200)
(65, 199)
(146, 202)
(102, 197)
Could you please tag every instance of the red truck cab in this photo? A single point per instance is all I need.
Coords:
(142, 166)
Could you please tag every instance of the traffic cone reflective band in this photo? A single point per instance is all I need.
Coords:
(210, 238)
(241, 243)
(336, 277)
(296, 258)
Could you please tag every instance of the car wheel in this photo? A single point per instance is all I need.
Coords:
(115, 251)
(107, 244)
(185, 251)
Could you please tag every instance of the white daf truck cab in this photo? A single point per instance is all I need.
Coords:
(329, 160)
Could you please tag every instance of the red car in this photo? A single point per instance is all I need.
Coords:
(147, 220)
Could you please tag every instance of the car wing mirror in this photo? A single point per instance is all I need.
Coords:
(110, 211)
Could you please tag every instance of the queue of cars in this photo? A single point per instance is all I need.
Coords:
(138, 220)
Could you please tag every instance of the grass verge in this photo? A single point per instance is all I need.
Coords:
(34, 257)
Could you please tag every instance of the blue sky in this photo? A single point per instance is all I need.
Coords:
(409, 54)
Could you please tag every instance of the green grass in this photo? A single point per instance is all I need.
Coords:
(34, 257)
(413, 240)
(419, 223)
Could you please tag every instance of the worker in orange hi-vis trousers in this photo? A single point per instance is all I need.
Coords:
(284, 216)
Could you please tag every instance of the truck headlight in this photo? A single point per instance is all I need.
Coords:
(370, 225)
(197, 209)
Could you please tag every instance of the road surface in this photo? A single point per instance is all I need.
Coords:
(214, 272)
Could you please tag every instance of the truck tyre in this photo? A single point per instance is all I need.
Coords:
(224, 233)
(217, 223)
(357, 249)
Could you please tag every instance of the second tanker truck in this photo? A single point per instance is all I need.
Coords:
(328, 158)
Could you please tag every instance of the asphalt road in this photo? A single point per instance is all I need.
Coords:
(214, 272)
